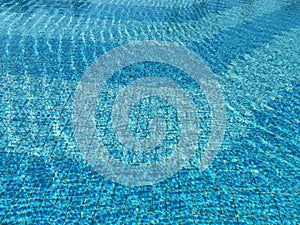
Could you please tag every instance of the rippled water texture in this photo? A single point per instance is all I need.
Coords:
(251, 46)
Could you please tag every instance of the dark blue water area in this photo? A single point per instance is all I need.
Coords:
(234, 43)
(64, 59)
(86, 9)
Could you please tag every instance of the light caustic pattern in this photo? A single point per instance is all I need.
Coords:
(95, 152)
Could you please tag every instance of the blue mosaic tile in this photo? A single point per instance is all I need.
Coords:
(250, 46)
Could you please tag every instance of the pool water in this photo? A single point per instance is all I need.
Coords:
(251, 46)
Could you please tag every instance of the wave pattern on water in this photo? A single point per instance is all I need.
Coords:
(251, 46)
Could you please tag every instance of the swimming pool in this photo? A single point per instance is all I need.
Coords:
(148, 49)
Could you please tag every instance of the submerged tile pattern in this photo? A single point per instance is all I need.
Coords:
(46, 49)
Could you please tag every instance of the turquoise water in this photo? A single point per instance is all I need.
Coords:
(252, 48)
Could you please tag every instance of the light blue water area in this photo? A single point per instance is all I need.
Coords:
(252, 47)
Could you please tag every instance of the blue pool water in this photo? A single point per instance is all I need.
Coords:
(253, 50)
